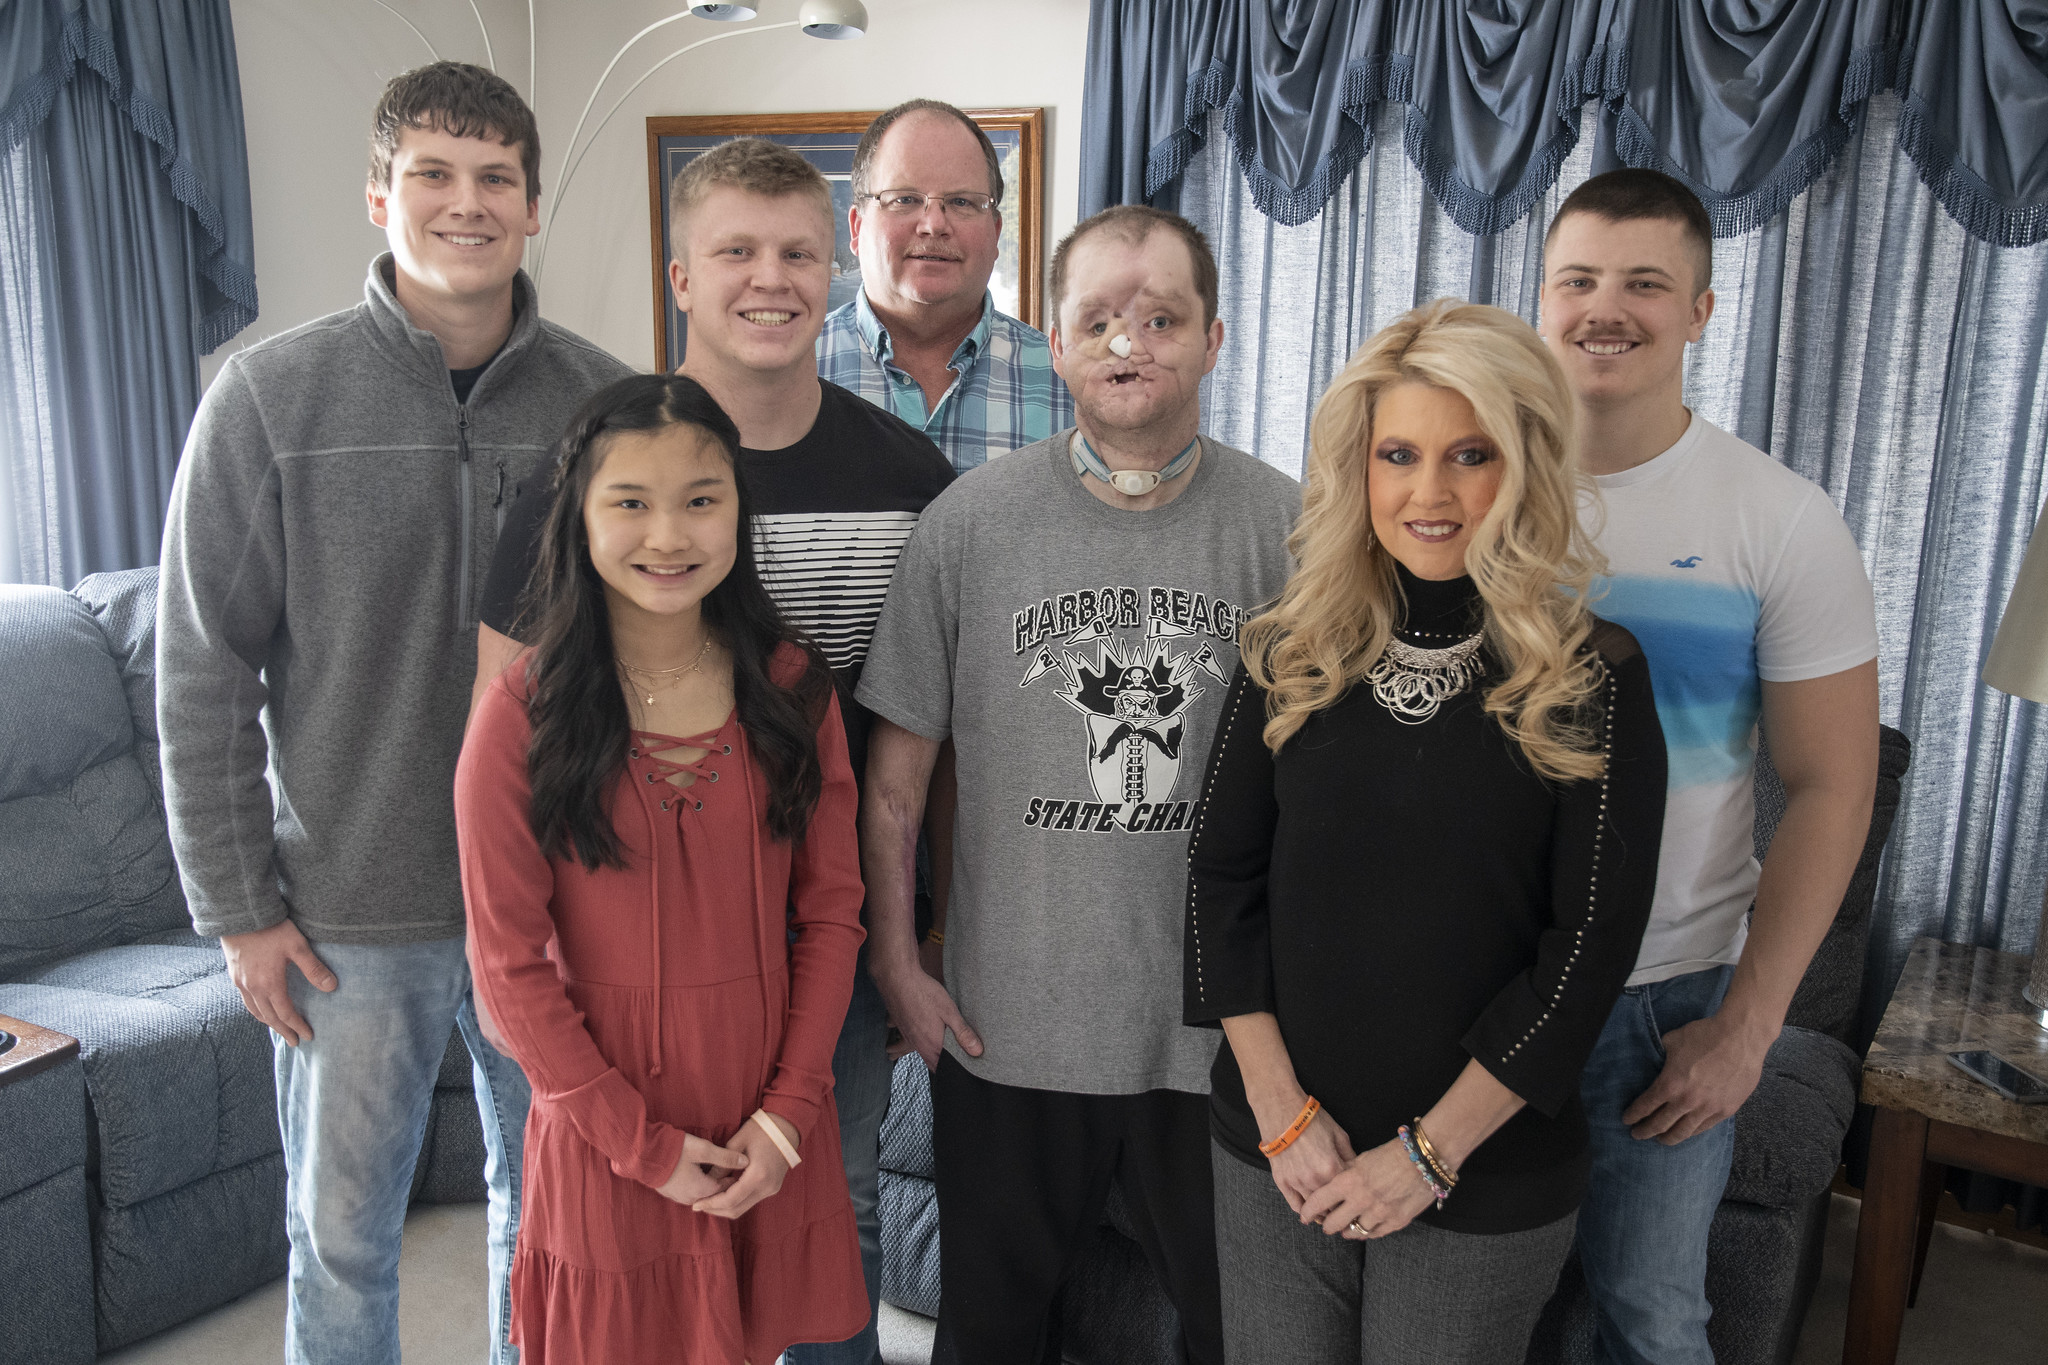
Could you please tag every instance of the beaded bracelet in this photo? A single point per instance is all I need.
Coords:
(1444, 1175)
(1294, 1129)
(1422, 1167)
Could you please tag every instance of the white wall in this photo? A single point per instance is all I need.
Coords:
(312, 69)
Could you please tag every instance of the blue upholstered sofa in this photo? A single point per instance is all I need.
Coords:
(141, 1181)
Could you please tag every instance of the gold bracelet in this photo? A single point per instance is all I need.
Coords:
(936, 936)
(1443, 1172)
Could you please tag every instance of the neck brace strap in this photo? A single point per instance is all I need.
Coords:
(1132, 483)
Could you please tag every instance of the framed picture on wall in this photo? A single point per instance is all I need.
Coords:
(827, 142)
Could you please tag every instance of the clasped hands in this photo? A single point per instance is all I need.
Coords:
(1327, 1184)
(725, 1182)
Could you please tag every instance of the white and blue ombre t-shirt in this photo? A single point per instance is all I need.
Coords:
(1730, 570)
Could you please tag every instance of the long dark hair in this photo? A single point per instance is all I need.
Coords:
(581, 728)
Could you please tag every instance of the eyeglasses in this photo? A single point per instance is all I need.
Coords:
(961, 208)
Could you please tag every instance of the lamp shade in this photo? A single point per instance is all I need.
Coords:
(727, 14)
(2019, 652)
(836, 19)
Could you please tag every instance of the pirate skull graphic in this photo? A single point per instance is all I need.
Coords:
(1136, 710)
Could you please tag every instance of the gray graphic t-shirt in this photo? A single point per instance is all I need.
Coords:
(1077, 656)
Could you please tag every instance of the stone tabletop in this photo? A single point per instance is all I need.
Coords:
(1951, 997)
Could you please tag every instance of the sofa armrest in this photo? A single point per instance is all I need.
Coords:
(42, 1107)
(1788, 1137)
(46, 1263)
(35, 1049)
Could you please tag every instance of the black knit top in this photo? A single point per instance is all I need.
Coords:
(1408, 896)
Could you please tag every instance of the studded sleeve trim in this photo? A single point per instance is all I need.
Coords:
(1535, 1035)
(1228, 961)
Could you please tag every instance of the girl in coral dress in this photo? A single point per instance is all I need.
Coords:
(656, 819)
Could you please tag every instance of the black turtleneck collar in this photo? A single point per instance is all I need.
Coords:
(1449, 608)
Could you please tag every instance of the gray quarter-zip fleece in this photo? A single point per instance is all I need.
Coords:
(333, 515)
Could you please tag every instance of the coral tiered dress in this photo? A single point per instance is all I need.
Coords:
(706, 979)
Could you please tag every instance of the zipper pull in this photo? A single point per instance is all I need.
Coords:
(498, 498)
(462, 430)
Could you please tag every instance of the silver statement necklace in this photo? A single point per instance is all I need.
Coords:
(1413, 683)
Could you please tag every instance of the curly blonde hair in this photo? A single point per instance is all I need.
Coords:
(1529, 557)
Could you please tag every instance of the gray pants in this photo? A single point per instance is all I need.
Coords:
(1420, 1297)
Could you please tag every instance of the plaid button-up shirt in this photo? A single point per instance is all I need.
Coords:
(1005, 395)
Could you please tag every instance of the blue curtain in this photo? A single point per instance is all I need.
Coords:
(1748, 101)
(126, 253)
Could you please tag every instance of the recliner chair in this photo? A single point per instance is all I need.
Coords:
(141, 1182)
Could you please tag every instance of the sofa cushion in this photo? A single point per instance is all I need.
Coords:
(910, 1241)
(88, 867)
(124, 604)
(46, 1314)
(188, 1250)
(42, 1127)
(907, 1131)
(1788, 1136)
(66, 710)
(1762, 1264)
(178, 1075)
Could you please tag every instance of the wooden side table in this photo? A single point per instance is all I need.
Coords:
(1930, 1115)
(34, 1049)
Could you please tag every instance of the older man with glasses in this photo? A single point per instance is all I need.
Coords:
(924, 342)
(924, 339)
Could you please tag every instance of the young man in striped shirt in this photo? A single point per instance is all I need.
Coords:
(837, 485)
(924, 339)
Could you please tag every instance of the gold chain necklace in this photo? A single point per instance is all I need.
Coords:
(674, 675)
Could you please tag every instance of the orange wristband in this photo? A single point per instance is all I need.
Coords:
(1294, 1130)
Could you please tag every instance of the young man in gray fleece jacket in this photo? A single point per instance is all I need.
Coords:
(336, 506)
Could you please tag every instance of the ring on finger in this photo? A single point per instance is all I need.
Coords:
(1361, 1231)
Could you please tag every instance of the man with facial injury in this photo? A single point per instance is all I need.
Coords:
(1068, 616)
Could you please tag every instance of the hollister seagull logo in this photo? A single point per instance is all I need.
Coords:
(1133, 696)
(1689, 562)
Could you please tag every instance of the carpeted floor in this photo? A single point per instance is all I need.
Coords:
(441, 1278)
(1984, 1300)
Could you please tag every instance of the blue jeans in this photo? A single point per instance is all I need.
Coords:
(502, 1099)
(353, 1105)
(1643, 1228)
(860, 1081)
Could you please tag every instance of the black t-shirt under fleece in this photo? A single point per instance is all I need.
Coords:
(1407, 897)
(831, 514)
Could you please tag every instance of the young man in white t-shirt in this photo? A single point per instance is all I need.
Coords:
(1751, 602)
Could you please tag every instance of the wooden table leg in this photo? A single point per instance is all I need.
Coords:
(1933, 1179)
(1885, 1237)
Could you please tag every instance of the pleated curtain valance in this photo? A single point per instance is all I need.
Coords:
(169, 68)
(1747, 101)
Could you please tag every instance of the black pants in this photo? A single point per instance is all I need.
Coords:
(1023, 1177)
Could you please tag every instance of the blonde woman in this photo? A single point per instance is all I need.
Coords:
(1421, 868)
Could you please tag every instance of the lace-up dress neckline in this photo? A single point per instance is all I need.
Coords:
(653, 747)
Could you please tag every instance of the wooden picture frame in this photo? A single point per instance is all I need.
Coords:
(828, 142)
